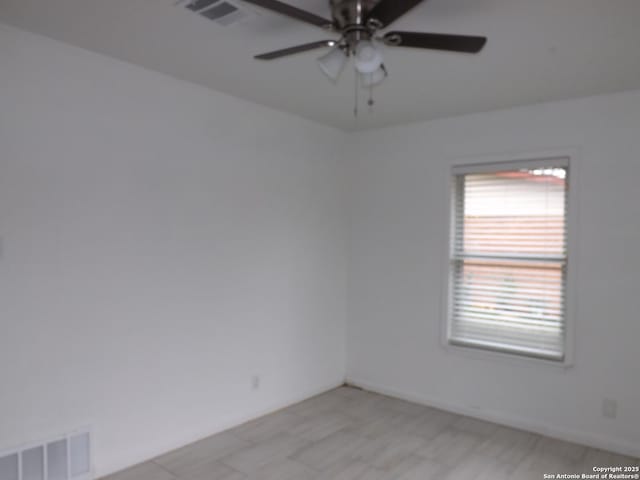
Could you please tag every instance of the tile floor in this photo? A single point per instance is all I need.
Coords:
(350, 434)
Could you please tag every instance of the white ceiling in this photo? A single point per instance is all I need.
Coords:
(538, 50)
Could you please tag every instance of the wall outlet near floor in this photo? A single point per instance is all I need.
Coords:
(609, 408)
(255, 382)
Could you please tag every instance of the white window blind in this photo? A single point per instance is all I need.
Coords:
(509, 258)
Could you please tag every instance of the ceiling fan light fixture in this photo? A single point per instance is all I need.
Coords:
(332, 63)
(374, 78)
(368, 58)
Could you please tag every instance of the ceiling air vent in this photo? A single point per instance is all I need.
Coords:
(223, 12)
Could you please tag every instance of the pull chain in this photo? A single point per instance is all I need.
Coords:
(355, 107)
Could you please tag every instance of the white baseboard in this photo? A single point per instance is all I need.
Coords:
(548, 430)
(227, 424)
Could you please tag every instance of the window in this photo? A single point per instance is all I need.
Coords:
(509, 258)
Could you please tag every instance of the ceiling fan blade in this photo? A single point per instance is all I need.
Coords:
(387, 11)
(297, 49)
(293, 12)
(436, 41)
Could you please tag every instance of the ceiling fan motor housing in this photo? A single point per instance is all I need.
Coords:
(350, 12)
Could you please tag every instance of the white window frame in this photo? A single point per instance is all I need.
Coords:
(506, 162)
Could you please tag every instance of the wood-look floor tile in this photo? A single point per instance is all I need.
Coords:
(266, 427)
(390, 450)
(508, 446)
(253, 458)
(398, 469)
(471, 467)
(380, 423)
(327, 402)
(335, 448)
(401, 406)
(144, 471)
(430, 424)
(203, 451)
(347, 469)
(450, 447)
(210, 470)
(425, 469)
(472, 425)
(284, 469)
(554, 456)
(317, 427)
(353, 393)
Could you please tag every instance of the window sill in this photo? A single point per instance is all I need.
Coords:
(478, 353)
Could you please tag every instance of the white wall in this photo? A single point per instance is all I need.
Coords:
(161, 244)
(399, 216)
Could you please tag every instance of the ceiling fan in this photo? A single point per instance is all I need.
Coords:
(359, 24)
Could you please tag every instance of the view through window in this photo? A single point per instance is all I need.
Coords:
(509, 258)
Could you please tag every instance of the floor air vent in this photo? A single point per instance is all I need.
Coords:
(63, 458)
(223, 12)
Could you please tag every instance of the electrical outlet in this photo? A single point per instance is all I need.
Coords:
(255, 382)
(609, 408)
